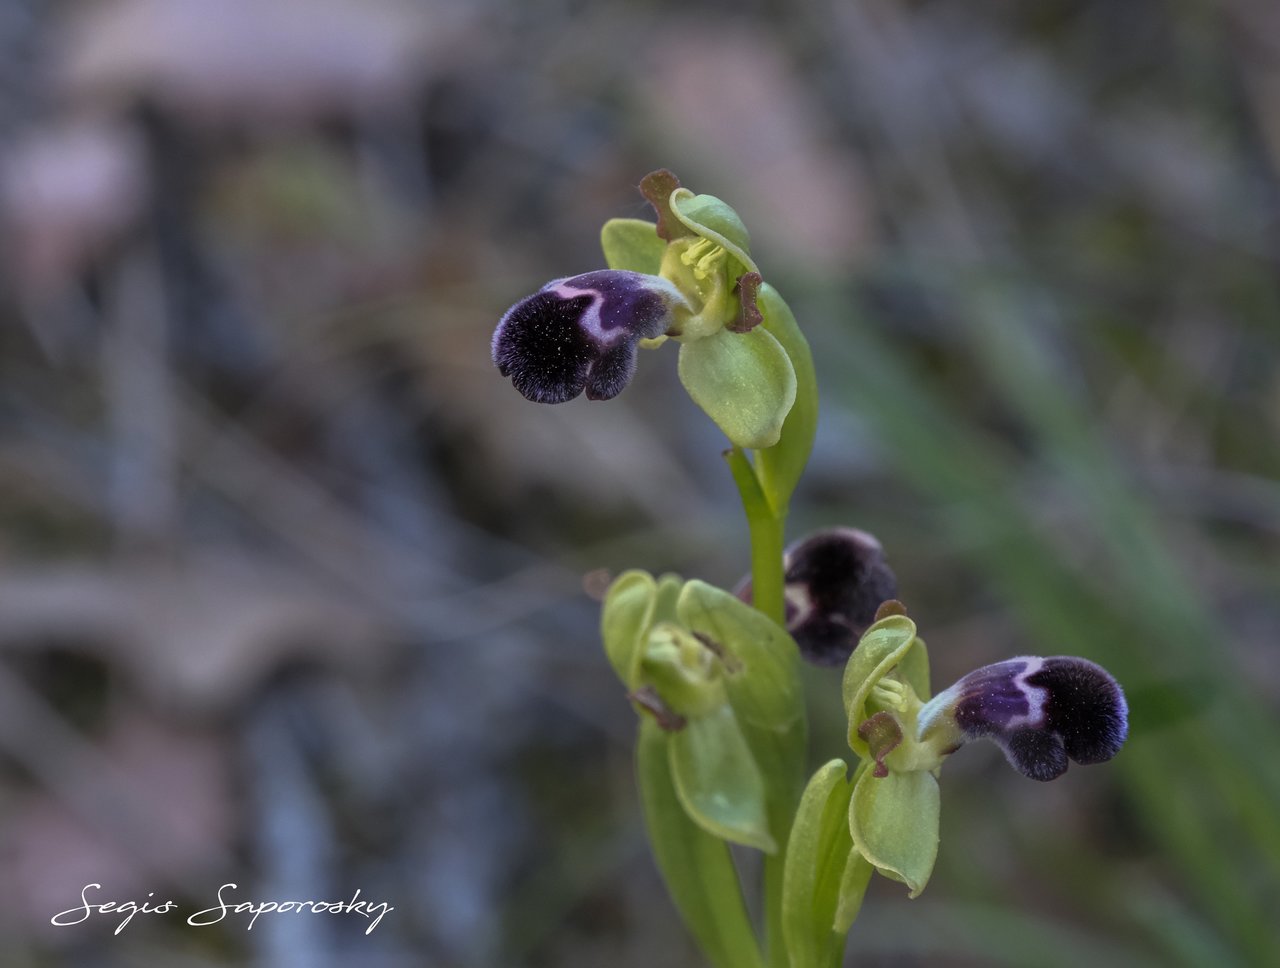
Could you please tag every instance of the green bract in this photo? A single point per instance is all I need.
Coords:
(817, 856)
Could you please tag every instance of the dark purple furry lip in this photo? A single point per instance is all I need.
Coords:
(1042, 712)
(835, 580)
(580, 333)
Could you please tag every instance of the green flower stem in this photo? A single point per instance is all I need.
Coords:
(766, 530)
(765, 527)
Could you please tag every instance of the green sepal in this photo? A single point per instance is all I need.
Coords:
(697, 868)
(817, 854)
(894, 824)
(632, 243)
(625, 619)
(744, 381)
(712, 219)
(762, 680)
(882, 647)
(761, 661)
(913, 669)
(669, 586)
(779, 467)
(718, 782)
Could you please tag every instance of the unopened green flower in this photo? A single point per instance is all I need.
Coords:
(722, 682)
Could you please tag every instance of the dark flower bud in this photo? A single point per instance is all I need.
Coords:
(835, 579)
(1041, 712)
(581, 332)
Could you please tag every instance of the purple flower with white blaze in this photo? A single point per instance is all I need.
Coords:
(1041, 712)
(581, 333)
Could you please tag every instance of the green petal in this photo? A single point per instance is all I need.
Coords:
(817, 854)
(632, 243)
(781, 465)
(718, 782)
(882, 647)
(744, 381)
(697, 867)
(894, 823)
(625, 621)
(712, 219)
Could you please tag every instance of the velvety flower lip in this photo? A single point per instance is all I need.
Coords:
(835, 580)
(1041, 711)
(580, 333)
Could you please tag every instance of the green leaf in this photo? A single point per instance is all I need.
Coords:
(744, 381)
(780, 466)
(882, 647)
(712, 219)
(762, 662)
(817, 853)
(632, 243)
(894, 823)
(625, 620)
(717, 780)
(697, 868)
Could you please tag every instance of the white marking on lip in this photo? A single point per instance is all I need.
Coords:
(590, 318)
(796, 595)
(1037, 696)
(591, 322)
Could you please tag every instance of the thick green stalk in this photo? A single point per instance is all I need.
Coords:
(766, 538)
(766, 530)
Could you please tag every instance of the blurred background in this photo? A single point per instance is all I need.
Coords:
(292, 582)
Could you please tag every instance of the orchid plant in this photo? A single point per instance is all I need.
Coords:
(714, 675)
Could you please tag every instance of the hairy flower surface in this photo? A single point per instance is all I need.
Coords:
(835, 581)
(581, 333)
(1041, 711)
(689, 278)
